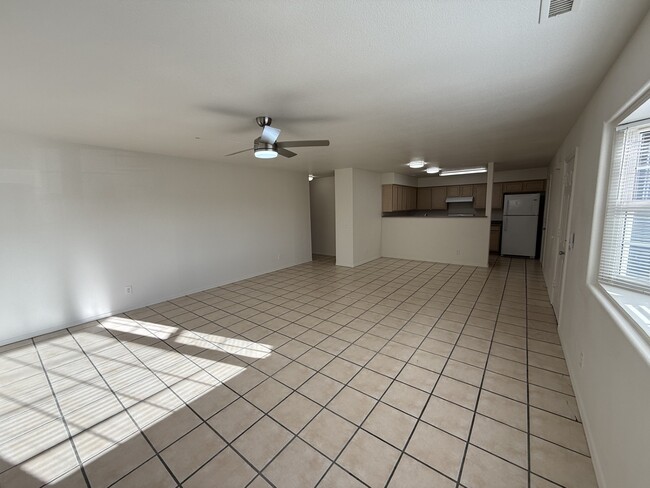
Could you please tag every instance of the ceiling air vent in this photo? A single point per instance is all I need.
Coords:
(559, 7)
(549, 9)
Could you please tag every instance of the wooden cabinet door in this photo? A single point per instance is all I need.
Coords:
(495, 238)
(438, 197)
(513, 187)
(453, 191)
(466, 190)
(480, 192)
(413, 194)
(387, 198)
(423, 198)
(396, 197)
(497, 196)
(534, 185)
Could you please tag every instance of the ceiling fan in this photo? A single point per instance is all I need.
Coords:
(267, 146)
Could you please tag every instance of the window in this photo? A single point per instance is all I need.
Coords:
(625, 257)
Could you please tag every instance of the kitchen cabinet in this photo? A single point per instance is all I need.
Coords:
(453, 191)
(497, 196)
(400, 198)
(533, 186)
(513, 187)
(411, 197)
(438, 198)
(387, 198)
(480, 192)
(397, 198)
(424, 199)
(495, 237)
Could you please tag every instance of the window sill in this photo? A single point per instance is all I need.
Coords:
(634, 306)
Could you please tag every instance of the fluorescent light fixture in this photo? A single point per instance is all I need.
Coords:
(463, 171)
(310, 177)
(265, 153)
(433, 170)
(416, 164)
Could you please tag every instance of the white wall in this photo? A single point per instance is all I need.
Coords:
(79, 223)
(446, 240)
(398, 179)
(323, 216)
(358, 216)
(613, 385)
(343, 192)
(367, 216)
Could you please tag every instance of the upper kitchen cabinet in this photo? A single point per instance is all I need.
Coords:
(396, 198)
(387, 198)
(530, 186)
(424, 199)
(466, 190)
(453, 191)
(438, 198)
(497, 195)
(513, 187)
(534, 185)
(480, 192)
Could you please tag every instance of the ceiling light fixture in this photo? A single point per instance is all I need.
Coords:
(264, 153)
(463, 171)
(433, 170)
(310, 177)
(416, 164)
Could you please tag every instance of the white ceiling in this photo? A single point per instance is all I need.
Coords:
(457, 82)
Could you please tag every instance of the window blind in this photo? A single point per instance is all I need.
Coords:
(625, 256)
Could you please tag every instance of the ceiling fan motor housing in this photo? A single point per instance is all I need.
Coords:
(263, 120)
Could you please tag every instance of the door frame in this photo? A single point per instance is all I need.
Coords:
(559, 275)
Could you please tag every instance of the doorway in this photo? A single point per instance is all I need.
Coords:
(565, 236)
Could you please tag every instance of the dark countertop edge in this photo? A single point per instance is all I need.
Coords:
(432, 217)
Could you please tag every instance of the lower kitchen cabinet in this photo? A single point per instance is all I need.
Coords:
(495, 237)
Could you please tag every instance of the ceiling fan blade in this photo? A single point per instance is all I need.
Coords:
(303, 143)
(270, 134)
(238, 152)
(286, 153)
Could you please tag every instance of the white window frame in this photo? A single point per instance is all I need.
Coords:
(630, 309)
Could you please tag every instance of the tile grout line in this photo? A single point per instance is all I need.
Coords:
(392, 380)
(424, 407)
(480, 387)
(65, 423)
(124, 409)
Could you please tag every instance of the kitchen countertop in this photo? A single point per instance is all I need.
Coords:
(429, 214)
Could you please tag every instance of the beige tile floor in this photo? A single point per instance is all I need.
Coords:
(395, 373)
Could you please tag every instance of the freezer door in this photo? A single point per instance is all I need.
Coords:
(526, 204)
(519, 235)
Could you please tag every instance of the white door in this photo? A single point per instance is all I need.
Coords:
(563, 235)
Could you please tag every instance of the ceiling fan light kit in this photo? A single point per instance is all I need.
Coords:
(267, 146)
(418, 164)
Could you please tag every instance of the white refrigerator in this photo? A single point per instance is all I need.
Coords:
(520, 222)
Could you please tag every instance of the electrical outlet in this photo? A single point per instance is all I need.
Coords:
(128, 289)
(277, 257)
(457, 252)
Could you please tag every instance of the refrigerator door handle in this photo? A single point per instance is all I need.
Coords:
(505, 225)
